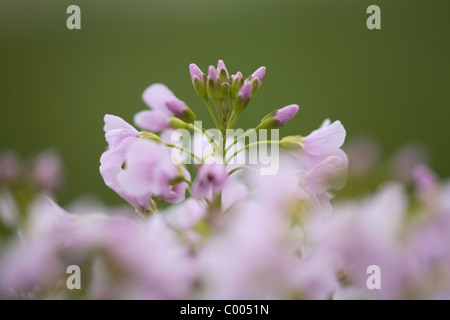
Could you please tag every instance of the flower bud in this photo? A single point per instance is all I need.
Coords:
(237, 81)
(259, 74)
(257, 78)
(198, 80)
(180, 109)
(279, 117)
(212, 88)
(243, 97)
(225, 91)
(222, 71)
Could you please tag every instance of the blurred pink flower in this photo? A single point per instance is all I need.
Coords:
(210, 178)
(47, 171)
(149, 170)
(9, 166)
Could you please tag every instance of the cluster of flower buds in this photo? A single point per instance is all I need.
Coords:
(231, 93)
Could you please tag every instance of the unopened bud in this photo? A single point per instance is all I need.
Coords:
(180, 109)
(257, 78)
(225, 91)
(237, 81)
(278, 118)
(212, 88)
(243, 97)
(198, 80)
(222, 71)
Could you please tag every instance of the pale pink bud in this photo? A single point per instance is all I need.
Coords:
(259, 74)
(176, 106)
(212, 74)
(285, 114)
(195, 72)
(246, 91)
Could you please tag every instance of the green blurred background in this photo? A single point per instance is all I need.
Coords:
(56, 84)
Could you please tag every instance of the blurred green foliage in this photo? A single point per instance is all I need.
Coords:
(56, 84)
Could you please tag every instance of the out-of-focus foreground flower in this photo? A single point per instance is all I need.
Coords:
(207, 219)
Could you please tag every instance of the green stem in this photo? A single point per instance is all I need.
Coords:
(249, 146)
(170, 145)
(230, 116)
(234, 120)
(219, 114)
(211, 113)
(237, 169)
(208, 136)
(240, 138)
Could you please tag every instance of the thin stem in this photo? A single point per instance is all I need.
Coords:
(249, 146)
(234, 120)
(240, 138)
(219, 114)
(184, 150)
(237, 169)
(224, 116)
(230, 116)
(207, 135)
(211, 113)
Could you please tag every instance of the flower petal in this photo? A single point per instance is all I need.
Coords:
(155, 96)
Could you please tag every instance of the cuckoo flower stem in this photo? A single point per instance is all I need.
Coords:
(211, 113)
(240, 138)
(249, 146)
(170, 145)
(207, 135)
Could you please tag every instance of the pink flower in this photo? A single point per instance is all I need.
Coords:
(251, 258)
(363, 153)
(47, 173)
(120, 135)
(326, 139)
(425, 179)
(111, 166)
(404, 160)
(9, 166)
(149, 170)
(316, 182)
(155, 96)
(116, 130)
(211, 177)
(359, 235)
(322, 143)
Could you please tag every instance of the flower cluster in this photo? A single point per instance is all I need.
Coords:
(216, 229)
